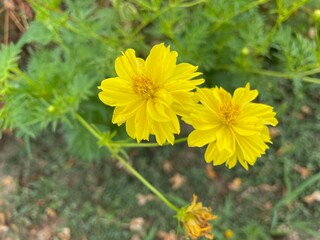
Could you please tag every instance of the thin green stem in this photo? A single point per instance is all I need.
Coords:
(241, 10)
(303, 75)
(146, 183)
(89, 127)
(148, 21)
(316, 27)
(311, 80)
(129, 145)
(112, 148)
(283, 15)
(270, 36)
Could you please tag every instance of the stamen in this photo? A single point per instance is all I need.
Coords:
(143, 86)
(229, 113)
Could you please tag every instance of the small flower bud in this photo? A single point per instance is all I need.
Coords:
(51, 108)
(316, 15)
(245, 51)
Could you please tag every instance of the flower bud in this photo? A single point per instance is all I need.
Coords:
(245, 51)
(316, 15)
(51, 108)
(195, 219)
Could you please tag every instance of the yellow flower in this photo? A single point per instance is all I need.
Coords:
(195, 219)
(233, 127)
(149, 94)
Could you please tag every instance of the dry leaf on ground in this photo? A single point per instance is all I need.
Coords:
(136, 224)
(167, 166)
(303, 171)
(211, 173)
(235, 184)
(143, 199)
(314, 197)
(177, 181)
(167, 235)
(50, 212)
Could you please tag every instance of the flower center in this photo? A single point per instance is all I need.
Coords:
(229, 113)
(143, 86)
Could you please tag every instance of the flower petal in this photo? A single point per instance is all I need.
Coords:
(116, 92)
(127, 65)
(185, 71)
(263, 112)
(121, 114)
(157, 111)
(160, 63)
(213, 154)
(242, 96)
(142, 123)
(199, 138)
(163, 132)
(226, 140)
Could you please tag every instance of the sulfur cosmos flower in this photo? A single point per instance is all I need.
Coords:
(195, 219)
(234, 128)
(148, 95)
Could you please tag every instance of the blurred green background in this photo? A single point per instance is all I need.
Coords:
(56, 183)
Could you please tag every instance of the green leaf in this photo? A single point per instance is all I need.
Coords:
(9, 56)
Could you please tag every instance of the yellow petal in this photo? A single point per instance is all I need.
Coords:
(261, 111)
(185, 71)
(225, 141)
(199, 138)
(247, 129)
(157, 111)
(116, 92)
(242, 96)
(163, 132)
(213, 154)
(209, 98)
(251, 147)
(232, 161)
(121, 114)
(142, 123)
(127, 65)
(160, 63)
(130, 127)
(164, 97)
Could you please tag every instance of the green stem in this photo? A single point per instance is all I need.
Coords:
(111, 147)
(303, 75)
(146, 183)
(233, 15)
(89, 127)
(129, 145)
(316, 27)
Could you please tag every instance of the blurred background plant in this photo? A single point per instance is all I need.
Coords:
(57, 184)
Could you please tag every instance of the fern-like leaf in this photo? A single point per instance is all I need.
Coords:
(9, 56)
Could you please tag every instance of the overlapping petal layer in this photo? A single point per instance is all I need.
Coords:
(149, 95)
(234, 128)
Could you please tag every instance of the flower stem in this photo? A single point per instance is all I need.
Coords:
(128, 145)
(146, 183)
(97, 135)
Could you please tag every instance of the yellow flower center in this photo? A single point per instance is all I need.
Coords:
(143, 86)
(229, 113)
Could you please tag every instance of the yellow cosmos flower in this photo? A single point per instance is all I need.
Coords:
(233, 127)
(195, 219)
(149, 94)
